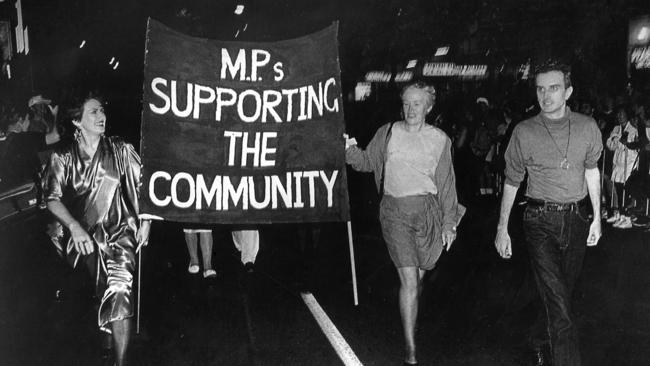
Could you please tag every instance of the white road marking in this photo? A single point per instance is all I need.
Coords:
(337, 341)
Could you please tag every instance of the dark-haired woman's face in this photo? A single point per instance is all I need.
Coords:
(93, 119)
(621, 117)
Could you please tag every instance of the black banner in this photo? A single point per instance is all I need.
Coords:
(241, 132)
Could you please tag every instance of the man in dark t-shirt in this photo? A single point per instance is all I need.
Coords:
(559, 149)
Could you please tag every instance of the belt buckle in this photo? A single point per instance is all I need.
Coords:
(553, 207)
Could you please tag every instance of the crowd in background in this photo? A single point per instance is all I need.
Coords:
(479, 125)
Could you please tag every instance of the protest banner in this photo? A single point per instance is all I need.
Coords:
(242, 132)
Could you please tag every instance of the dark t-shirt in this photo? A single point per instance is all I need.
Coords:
(538, 146)
(19, 162)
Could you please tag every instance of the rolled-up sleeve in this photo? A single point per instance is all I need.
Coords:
(371, 158)
(595, 147)
(358, 159)
(445, 181)
(53, 179)
(515, 168)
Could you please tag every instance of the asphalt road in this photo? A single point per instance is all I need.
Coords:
(476, 307)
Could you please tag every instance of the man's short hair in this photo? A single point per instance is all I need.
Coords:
(428, 89)
(555, 65)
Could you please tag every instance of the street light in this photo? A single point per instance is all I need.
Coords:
(643, 34)
(239, 9)
(83, 43)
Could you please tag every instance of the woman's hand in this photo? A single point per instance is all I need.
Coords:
(448, 237)
(142, 236)
(349, 141)
(83, 243)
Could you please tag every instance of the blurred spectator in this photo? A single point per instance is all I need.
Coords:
(624, 159)
(44, 114)
(20, 162)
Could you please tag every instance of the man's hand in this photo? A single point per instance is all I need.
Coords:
(448, 237)
(142, 236)
(503, 244)
(595, 233)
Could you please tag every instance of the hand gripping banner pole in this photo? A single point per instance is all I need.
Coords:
(352, 265)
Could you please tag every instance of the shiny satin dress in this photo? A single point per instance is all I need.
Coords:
(101, 192)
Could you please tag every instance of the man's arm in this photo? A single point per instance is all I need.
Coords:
(592, 176)
(502, 240)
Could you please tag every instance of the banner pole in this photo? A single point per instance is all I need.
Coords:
(137, 323)
(352, 265)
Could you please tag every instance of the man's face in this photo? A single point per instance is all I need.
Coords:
(415, 105)
(552, 94)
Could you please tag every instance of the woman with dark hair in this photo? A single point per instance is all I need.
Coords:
(419, 210)
(91, 185)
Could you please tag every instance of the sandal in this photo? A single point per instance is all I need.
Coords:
(210, 273)
(193, 268)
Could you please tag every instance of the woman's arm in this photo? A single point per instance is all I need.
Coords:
(82, 241)
(367, 160)
(133, 169)
(445, 180)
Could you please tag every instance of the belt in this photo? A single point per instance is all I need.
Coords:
(556, 206)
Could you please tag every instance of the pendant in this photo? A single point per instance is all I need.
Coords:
(564, 164)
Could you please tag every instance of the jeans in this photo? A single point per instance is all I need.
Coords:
(557, 241)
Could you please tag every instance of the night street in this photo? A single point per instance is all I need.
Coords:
(474, 312)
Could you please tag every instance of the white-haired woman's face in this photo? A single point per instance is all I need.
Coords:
(415, 105)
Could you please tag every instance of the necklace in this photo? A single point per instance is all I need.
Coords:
(564, 164)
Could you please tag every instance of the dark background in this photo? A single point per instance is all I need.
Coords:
(374, 35)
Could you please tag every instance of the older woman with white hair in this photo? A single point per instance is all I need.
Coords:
(419, 209)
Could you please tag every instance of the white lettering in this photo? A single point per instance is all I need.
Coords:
(239, 67)
(240, 193)
(191, 190)
(258, 62)
(285, 192)
(329, 184)
(154, 87)
(233, 135)
(188, 106)
(202, 191)
(257, 108)
(198, 99)
(269, 105)
(246, 150)
(267, 150)
(251, 190)
(312, 191)
(227, 102)
(298, 202)
(152, 195)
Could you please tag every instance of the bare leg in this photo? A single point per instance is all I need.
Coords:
(190, 239)
(121, 336)
(409, 295)
(206, 250)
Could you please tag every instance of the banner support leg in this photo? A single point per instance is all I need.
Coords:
(137, 322)
(353, 265)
